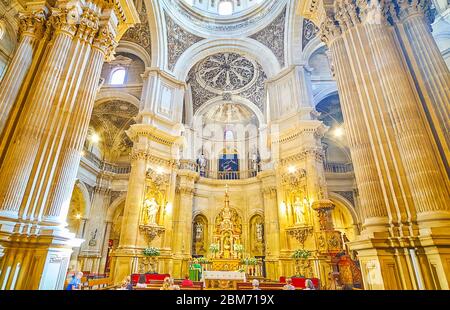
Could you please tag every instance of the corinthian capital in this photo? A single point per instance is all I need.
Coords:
(89, 25)
(329, 30)
(407, 8)
(105, 41)
(32, 23)
(64, 20)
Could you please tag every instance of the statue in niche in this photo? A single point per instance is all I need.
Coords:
(254, 160)
(93, 241)
(198, 231)
(299, 212)
(202, 163)
(259, 232)
(227, 247)
(152, 209)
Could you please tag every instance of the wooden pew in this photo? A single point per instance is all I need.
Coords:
(264, 286)
(100, 284)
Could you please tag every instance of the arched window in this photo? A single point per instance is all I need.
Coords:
(225, 8)
(118, 76)
(229, 135)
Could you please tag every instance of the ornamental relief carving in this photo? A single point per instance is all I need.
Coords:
(310, 31)
(226, 75)
(140, 33)
(226, 72)
(273, 37)
(178, 41)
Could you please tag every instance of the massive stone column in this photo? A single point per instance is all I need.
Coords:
(40, 164)
(271, 224)
(428, 67)
(398, 173)
(32, 29)
(126, 255)
(182, 222)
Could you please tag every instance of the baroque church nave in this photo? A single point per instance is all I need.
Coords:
(255, 139)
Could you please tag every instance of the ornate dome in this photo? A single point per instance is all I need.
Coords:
(229, 113)
(223, 7)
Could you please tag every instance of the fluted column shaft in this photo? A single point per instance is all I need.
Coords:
(389, 103)
(360, 140)
(32, 28)
(22, 152)
(429, 69)
(135, 197)
(69, 159)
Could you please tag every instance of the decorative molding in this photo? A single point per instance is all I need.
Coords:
(310, 31)
(273, 37)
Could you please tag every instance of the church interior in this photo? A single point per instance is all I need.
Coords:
(225, 141)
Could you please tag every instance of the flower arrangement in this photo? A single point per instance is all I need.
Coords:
(301, 254)
(214, 248)
(250, 261)
(238, 248)
(204, 260)
(152, 252)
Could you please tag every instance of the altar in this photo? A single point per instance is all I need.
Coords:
(223, 279)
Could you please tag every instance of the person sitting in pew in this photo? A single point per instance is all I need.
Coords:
(187, 282)
(289, 286)
(255, 285)
(141, 282)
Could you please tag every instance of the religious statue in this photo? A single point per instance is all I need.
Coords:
(152, 209)
(93, 241)
(198, 231)
(259, 231)
(254, 161)
(227, 247)
(202, 164)
(299, 212)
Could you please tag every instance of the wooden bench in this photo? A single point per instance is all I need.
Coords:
(104, 283)
(264, 286)
(157, 287)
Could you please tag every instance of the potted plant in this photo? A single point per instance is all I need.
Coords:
(238, 248)
(302, 263)
(214, 249)
(151, 259)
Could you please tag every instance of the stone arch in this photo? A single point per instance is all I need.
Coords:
(347, 209)
(114, 205)
(135, 49)
(245, 46)
(200, 240)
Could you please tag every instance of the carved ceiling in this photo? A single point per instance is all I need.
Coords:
(110, 120)
(226, 75)
(140, 33)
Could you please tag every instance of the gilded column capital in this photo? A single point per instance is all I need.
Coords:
(105, 41)
(32, 23)
(89, 25)
(138, 155)
(64, 20)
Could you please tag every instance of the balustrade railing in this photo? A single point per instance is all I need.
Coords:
(338, 167)
(105, 166)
